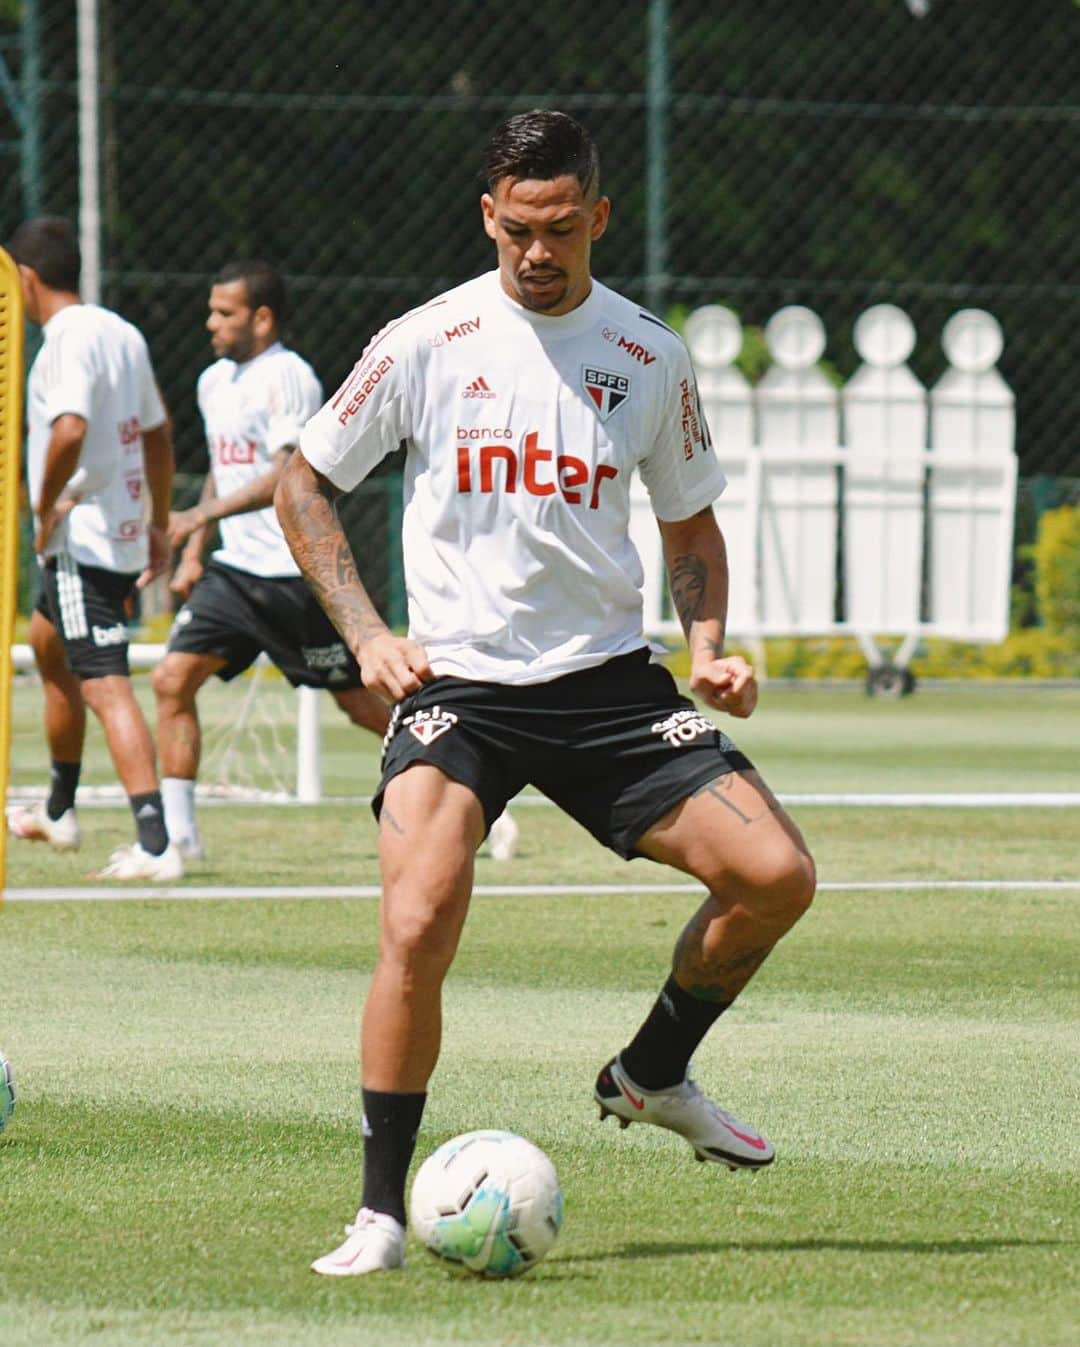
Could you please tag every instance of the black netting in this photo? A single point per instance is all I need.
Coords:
(764, 152)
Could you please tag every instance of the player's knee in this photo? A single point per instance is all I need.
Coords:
(779, 888)
(423, 936)
(168, 683)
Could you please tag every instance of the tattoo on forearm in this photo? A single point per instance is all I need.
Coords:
(689, 576)
(318, 543)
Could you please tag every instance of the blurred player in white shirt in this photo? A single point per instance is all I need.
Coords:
(526, 399)
(98, 440)
(249, 597)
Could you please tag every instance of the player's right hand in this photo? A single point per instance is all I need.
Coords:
(187, 574)
(393, 666)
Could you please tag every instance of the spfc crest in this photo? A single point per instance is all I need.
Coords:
(607, 390)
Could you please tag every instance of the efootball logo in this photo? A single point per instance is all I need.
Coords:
(607, 390)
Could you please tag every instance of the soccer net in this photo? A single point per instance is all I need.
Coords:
(11, 378)
(260, 738)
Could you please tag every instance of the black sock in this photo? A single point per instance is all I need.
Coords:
(150, 821)
(391, 1123)
(661, 1049)
(63, 783)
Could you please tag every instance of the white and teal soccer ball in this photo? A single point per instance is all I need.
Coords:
(490, 1201)
(7, 1090)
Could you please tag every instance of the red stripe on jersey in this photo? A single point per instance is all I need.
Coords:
(381, 337)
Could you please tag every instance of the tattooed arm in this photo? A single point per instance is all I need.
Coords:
(392, 666)
(696, 561)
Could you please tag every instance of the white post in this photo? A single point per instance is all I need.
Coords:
(308, 746)
(89, 152)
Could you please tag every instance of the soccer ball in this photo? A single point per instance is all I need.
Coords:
(490, 1201)
(7, 1090)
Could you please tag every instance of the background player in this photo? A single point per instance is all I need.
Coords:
(526, 659)
(250, 597)
(98, 435)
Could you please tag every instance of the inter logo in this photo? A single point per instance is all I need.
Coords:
(607, 390)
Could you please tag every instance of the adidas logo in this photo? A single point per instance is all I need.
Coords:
(478, 389)
(147, 811)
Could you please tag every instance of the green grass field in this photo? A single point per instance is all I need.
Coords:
(187, 1132)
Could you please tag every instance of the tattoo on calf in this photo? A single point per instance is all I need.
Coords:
(717, 983)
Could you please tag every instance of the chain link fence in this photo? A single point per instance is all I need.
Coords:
(758, 153)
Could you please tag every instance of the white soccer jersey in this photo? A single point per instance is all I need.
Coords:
(251, 411)
(94, 364)
(523, 431)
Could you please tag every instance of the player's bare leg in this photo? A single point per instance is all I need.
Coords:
(176, 681)
(429, 830)
(734, 837)
(364, 709)
(54, 820)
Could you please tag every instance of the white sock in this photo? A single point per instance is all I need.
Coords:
(178, 798)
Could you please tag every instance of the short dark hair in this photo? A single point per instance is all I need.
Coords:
(49, 245)
(541, 144)
(263, 283)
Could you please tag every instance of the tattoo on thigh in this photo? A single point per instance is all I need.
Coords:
(720, 789)
(387, 819)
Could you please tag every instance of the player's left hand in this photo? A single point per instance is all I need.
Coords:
(727, 684)
(183, 523)
(52, 521)
(160, 556)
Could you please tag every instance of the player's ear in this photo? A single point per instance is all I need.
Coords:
(487, 205)
(601, 213)
(263, 321)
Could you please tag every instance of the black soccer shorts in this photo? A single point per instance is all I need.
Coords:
(615, 746)
(89, 608)
(236, 616)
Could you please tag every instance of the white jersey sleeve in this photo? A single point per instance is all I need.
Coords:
(152, 411)
(369, 415)
(292, 399)
(680, 469)
(69, 374)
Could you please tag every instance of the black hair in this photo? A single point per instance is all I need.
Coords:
(541, 144)
(263, 283)
(49, 245)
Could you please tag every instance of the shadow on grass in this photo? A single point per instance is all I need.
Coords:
(869, 1246)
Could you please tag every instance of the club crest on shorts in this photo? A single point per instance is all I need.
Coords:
(607, 389)
(427, 726)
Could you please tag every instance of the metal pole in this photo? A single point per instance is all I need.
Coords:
(656, 98)
(31, 106)
(89, 152)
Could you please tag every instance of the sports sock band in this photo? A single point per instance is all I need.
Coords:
(63, 783)
(149, 821)
(391, 1124)
(661, 1049)
(178, 799)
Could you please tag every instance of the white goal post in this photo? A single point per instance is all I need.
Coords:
(306, 780)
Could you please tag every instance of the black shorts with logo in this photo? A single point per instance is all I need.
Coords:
(89, 607)
(236, 616)
(616, 746)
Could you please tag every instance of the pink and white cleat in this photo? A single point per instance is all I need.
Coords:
(375, 1242)
(714, 1133)
(33, 824)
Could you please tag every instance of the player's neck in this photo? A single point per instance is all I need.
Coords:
(50, 302)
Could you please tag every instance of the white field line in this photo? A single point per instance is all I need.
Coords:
(249, 892)
(111, 797)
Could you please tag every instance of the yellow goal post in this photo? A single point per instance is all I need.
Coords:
(11, 423)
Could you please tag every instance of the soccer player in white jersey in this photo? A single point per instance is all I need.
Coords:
(526, 399)
(249, 597)
(99, 441)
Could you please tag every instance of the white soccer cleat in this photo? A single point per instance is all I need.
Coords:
(33, 824)
(375, 1242)
(714, 1133)
(134, 863)
(190, 848)
(503, 838)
